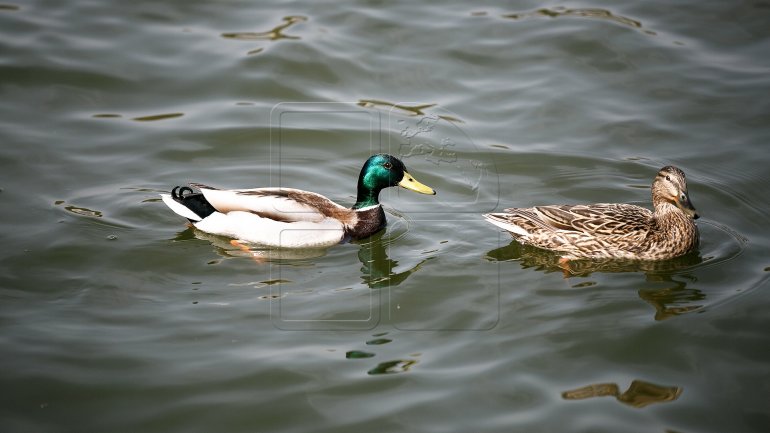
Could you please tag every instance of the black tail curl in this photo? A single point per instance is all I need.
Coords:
(180, 195)
(192, 200)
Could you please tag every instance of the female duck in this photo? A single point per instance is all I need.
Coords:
(611, 231)
(293, 218)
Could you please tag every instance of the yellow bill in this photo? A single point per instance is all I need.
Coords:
(411, 183)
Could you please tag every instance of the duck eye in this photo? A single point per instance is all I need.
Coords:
(388, 165)
(668, 178)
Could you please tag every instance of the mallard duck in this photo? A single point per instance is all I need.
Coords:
(293, 218)
(609, 230)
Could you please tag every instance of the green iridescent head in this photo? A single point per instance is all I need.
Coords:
(382, 171)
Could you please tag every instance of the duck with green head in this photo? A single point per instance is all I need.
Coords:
(294, 218)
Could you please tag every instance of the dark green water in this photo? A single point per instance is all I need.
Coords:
(114, 316)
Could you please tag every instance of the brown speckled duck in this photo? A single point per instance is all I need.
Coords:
(610, 230)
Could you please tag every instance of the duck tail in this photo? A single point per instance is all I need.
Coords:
(506, 222)
(192, 205)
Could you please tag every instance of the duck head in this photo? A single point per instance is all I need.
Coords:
(670, 185)
(382, 171)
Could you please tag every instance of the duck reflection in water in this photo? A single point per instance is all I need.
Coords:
(639, 394)
(670, 298)
(549, 261)
(673, 300)
(376, 267)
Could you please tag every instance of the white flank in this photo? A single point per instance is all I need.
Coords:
(178, 208)
(234, 200)
(252, 228)
(506, 225)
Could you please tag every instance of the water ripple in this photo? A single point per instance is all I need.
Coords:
(414, 110)
(156, 117)
(589, 13)
(561, 11)
(358, 354)
(274, 34)
(393, 367)
(147, 118)
(79, 210)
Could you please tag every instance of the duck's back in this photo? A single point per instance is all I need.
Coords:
(600, 220)
(599, 230)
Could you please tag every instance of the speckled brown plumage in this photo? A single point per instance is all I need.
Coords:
(608, 230)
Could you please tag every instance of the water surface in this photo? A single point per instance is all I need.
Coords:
(116, 316)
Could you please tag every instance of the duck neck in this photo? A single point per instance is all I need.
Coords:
(665, 211)
(672, 221)
(367, 196)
